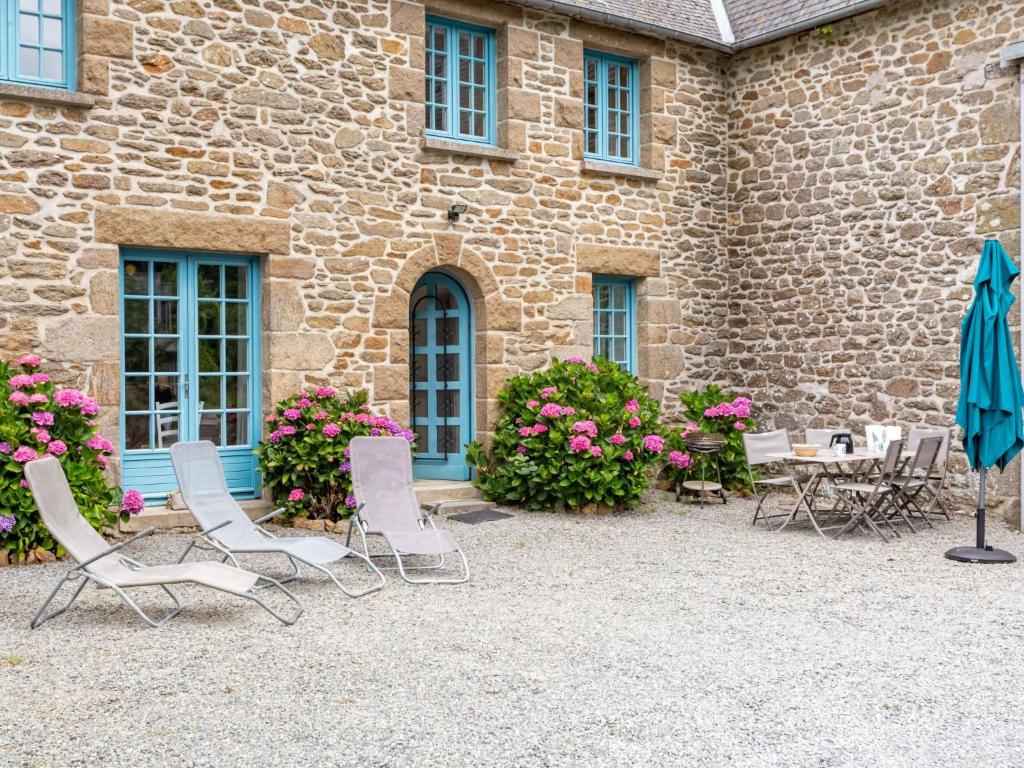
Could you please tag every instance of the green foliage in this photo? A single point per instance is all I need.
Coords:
(828, 33)
(37, 418)
(570, 436)
(305, 458)
(724, 413)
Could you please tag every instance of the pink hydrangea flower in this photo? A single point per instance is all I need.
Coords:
(90, 407)
(100, 443)
(680, 459)
(5, 448)
(540, 429)
(25, 454)
(270, 419)
(574, 360)
(654, 443)
(297, 494)
(589, 428)
(132, 502)
(103, 460)
(689, 429)
(628, 455)
(39, 399)
(532, 404)
(42, 418)
(29, 361)
(568, 410)
(350, 501)
(286, 429)
(68, 398)
(305, 402)
(57, 447)
(521, 448)
(21, 381)
(617, 439)
(595, 451)
(579, 443)
(632, 406)
(292, 414)
(274, 437)
(547, 392)
(739, 426)
(326, 391)
(525, 431)
(551, 410)
(593, 368)
(634, 422)
(19, 398)
(41, 435)
(40, 378)
(320, 416)
(331, 430)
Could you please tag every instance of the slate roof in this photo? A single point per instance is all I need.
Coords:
(693, 17)
(750, 18)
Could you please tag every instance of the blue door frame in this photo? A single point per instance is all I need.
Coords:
(190, 365)
(441, 377)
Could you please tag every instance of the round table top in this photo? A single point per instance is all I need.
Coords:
(702, 485)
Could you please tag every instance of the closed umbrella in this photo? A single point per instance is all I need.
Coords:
(991, 396)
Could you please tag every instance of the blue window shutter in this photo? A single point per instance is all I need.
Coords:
(615, 320)
(461, 82)
(611, 108)
(39, 43)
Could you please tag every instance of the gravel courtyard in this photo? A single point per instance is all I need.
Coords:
(672, 636)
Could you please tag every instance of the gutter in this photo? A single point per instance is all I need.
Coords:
(605, 19)
(815, 21)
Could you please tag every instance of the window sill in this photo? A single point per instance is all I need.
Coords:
(53, 96)
(619, 169)
(469, 149)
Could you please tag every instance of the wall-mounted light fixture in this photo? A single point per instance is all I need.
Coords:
(455, 211)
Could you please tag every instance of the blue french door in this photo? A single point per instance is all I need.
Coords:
(440, 387)
(189, 365)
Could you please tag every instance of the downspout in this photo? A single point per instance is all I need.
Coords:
(1014, 54)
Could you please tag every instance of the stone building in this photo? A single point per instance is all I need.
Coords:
(208, 204)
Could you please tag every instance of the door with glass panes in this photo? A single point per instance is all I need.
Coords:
(189, 365)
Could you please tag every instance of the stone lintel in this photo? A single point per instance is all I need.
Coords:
(618, 260)
(147, 228)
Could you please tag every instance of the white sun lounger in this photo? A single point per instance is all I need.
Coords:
(102, 565)
(227, 529)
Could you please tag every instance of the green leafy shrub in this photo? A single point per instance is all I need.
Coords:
(305, 458)
(39, 419)
(574, 435)
(712, 410)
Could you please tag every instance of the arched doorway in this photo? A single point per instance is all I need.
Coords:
(441, 376)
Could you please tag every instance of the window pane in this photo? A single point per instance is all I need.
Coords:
(209, 427)
(237, 425)
(28, 62)
(168, 426)
(422, 437)
(419, 368)
(136, 316)
(447, 331)
(29, 5)
(165, 317)
(448, 403)
(235, 282)
(447, 368)
(28, 29)
(52, 33)
(448, 439)
(236, 319)
(209, 355)
(237, 391)
(165, 355)
(136, 432)
(209, 318)
(136, 355)
(166, 391)
(209, 281)
(237, 352)
(165, 279)
(136, 394)
(50, 7)
(136, 278)
(209, 392)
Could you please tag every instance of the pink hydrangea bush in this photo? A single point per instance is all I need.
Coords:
(576, 434)
(38, 419)
(305, 458)
(712, 410)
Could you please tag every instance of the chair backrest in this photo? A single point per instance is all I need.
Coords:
(916, 435)
(758, 446)
(166, 423)
(382, 483)
(891, 460)
(926, 454)
(822, 437)
(205, 491)
(59, 511)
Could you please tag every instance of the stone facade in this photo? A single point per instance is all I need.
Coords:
(864, 175)
(295, 131)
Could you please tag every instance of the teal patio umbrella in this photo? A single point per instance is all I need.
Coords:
(991, 396)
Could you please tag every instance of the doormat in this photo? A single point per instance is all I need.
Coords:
(480, 516)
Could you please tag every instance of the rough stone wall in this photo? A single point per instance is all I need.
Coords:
(294, 130)
(864, 176)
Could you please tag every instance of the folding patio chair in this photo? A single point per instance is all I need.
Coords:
(386, 506)
(758, 447)
(915, 481)
(100, 563)
(869, 503)
(228, 530)
(938, 474)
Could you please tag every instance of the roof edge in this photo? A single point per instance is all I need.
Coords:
(611, 20)
(722, 19)
(814, 21)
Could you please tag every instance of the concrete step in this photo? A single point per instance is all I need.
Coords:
(163, 518)
(433, 491)
(460, 507)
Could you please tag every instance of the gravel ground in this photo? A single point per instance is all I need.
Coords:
(672, 636)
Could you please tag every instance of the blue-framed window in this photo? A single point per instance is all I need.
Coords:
(611, 108)
(190, 363)
(461, 85)
(615, 320)
(37, 42)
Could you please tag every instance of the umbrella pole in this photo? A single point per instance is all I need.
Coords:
(981, 553)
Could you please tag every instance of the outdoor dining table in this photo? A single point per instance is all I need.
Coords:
(824, 466)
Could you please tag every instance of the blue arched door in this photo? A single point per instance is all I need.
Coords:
(440, 381)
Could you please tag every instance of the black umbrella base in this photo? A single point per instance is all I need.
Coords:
(977, 555)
